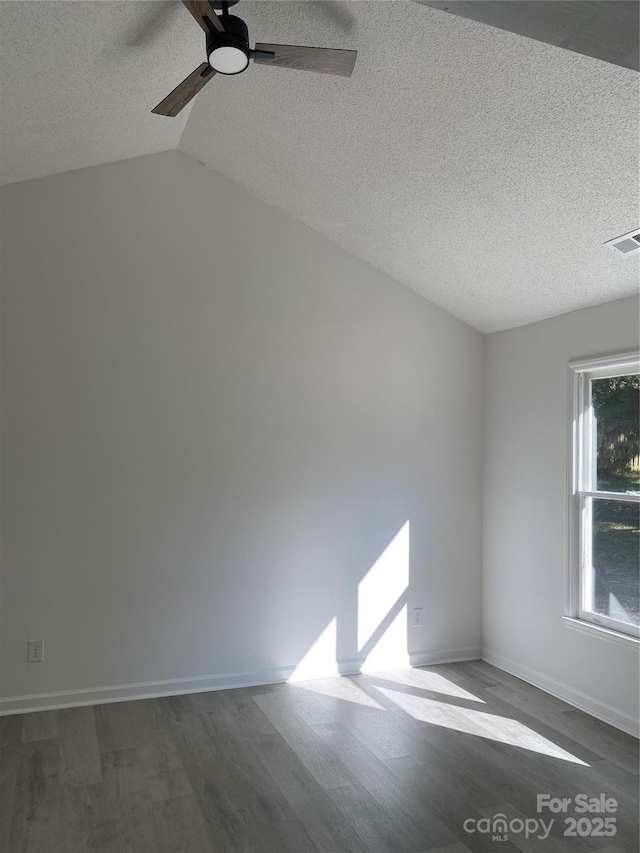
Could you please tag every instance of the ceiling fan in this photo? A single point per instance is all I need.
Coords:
(228, 52)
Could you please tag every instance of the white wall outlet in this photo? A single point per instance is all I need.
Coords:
(416, 620)
(35, 651)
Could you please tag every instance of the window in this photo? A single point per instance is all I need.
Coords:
(604, 570)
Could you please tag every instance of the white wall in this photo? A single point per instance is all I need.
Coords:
(525, 510)
(214, 422)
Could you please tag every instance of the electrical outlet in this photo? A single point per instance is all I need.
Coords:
(35, 651)
(417, 617)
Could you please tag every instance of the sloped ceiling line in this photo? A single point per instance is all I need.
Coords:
(482, 169)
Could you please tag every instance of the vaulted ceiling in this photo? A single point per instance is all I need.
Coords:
(478, 167)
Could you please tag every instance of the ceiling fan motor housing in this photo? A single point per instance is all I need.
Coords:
(235, 35)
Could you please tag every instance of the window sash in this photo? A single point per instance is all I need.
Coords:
(631, 497)
(586, 609)
(583, 486)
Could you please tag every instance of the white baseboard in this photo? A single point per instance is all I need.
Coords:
(206, 683)
(573, 697)
(198, 684)
(140, 690)
(445, 656)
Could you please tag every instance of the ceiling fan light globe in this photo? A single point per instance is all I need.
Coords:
(228, 60)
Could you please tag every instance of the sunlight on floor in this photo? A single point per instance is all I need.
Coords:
(478, 723)
(382, 649)
(343, 689)
(422, 679)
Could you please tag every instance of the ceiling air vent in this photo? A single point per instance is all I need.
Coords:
(626, 244)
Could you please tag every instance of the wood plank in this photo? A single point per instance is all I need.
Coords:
(373, 823)
(320, 761)
(293, 768)
(528, 715)
(226, 801)
(79, 753)
(434, 683)
(482, 671)
(7, 794)
(342, 693)
(376, 721)
(235, 713)
(35, 824)
(10, 745)
(40, 725)
(609, 850)
(621, 748)
(295, 837)
(11, 729)
(119, 814)
(445, 758)
(163, 770)
(181, 826)
(515, 776)
(126, 725)
(123, 775)
(262, 794)
(450, 801)
(91, 822)
(593, 734)
(331, 832)
(313, 707)
(419, 825)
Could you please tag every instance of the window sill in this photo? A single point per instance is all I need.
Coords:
(603, 633)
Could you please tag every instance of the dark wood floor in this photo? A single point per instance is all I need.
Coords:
(395, 761)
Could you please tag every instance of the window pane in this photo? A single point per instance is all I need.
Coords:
(616, 407)
(616, 560)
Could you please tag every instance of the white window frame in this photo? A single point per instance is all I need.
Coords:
(583, 488)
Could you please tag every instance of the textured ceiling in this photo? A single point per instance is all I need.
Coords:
(480, 168)
(79, 80)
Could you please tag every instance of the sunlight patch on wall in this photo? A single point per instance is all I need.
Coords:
(383, 585)
(390, 651)
(381, 619)
(382, 632)
(320, 660)
(478, 723)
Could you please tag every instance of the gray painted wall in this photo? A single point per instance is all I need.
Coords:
(526, 506)
(214, 421)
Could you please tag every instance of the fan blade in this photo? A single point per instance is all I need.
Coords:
(203, 11)
(325, 60)
(185, 91)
